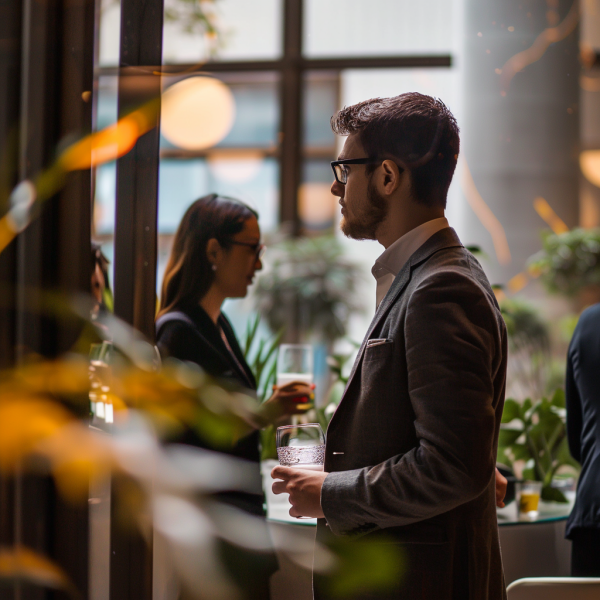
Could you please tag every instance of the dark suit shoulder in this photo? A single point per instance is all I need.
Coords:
(454, 267)
(589, 321)
(180, 340)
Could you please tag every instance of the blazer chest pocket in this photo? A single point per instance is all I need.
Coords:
(378, 349)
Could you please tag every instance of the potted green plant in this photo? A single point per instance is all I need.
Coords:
(310, 289)
(535, 433)
(569, 263)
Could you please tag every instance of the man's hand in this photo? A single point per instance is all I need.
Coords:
(304, 488)
(501, 485)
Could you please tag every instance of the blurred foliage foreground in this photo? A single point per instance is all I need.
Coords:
(170, 488)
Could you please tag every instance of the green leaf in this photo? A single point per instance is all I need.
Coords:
(521, 452)
(529, 474)
(563, 455)
(511, 411)
(526, 410)
(553, 495)
(547, 425)
(363, 566)
(559, 399)
(251, 330)
(504, 458)
(508, 437)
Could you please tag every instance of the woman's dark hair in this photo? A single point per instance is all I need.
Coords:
(189, 274)
(417, 130)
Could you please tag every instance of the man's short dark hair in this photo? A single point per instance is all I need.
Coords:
(416, 130)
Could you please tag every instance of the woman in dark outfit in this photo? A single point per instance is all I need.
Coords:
(215, 255)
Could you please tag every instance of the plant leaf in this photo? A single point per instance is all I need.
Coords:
(521, 452)
(511, 411)
(559, 399)
(25, 565)
(363, 566)
(508, 436)
(553, 495)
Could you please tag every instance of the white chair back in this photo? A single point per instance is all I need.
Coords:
(555, 588)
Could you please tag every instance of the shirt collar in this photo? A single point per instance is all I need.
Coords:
(397, 254)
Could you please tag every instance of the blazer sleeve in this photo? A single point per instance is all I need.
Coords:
(454, 342)
(574, 408)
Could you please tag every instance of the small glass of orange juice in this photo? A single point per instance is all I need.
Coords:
(528, 499)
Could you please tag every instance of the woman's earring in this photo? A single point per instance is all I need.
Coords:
(214, 267)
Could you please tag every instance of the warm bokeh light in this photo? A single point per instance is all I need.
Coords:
(316, 204)
(589, 161)
(197, 112)
(484, 214)
(545, 211)
(517, 283)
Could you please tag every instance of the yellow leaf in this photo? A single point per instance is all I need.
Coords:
(23, 564)
(24, 423)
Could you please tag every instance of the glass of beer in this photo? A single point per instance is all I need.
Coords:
(294, 363)
(528, 495)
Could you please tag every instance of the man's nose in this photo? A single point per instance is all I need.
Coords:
(337, 189)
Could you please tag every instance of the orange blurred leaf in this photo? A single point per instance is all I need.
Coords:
(24, 423)
(25, 565)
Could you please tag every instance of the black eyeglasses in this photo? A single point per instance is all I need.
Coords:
(341, 173)
(258, 248)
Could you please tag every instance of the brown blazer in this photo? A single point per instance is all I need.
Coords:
(411, 449)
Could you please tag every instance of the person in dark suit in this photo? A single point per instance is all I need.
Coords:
(583, 431)
(411, 450)
(216, 253)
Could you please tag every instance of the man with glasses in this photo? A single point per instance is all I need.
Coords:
(411, 449)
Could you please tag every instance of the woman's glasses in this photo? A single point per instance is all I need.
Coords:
(258, 248)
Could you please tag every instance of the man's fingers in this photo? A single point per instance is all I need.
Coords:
(294, 512)
(280, 472)
(279, 487)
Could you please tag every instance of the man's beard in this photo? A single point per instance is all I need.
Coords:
(364, 224)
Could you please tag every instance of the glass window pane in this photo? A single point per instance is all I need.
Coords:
(109, 33)
(105, 176)
(316, 205)
(321, 91)
(246, 31)
(249, 177)
(255, 112)
(334, 28)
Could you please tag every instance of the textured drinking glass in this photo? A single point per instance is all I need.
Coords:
(294, 363)
(528, 495)
(301, 446)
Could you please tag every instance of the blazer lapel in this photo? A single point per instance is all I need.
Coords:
(395, 290)
(445, 238)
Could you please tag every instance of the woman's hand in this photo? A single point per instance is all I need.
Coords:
(293, 398)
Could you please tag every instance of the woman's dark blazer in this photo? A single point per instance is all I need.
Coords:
(583, 418)
(189, 334)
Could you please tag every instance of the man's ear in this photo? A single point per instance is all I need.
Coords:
(391, 176)
(214, 251)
